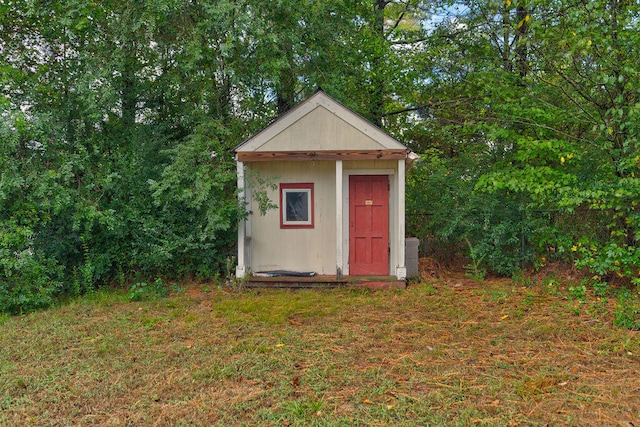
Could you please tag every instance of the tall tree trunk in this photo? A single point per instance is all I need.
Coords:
(377, 90)
(128, 95)
(506, 39)
(522, 63)
(286, 90)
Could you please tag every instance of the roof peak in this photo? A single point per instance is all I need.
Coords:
(323, 114)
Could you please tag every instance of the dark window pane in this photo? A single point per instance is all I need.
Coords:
(297, 205)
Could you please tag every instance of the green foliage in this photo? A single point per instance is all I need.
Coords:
(492, 224)
(473, 269)
(143, 291)
(29, 277)
(627, 312)
(201, 181)
(578, 292)
(89, 127)
(600, 288)
(547, 108)
(610, 258)
(260, 187)
(30, 283)
(118, 120)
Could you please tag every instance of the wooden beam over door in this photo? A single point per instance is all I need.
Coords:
(265, 156)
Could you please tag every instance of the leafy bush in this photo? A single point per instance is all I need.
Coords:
(27, 280)
(627, 312)
(492, 223)
(610, 258)
(143, 291)
(473, 269)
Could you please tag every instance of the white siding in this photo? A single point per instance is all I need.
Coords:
(320, 130)
(300, 129)
(303, 249)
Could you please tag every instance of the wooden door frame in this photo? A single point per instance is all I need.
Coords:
(391, 173)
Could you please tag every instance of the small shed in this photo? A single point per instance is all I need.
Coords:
(339, 185)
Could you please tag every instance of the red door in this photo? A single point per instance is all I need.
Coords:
(369, 225)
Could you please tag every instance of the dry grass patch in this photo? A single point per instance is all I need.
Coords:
(447, 352)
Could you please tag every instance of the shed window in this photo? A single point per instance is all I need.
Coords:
(296, 205)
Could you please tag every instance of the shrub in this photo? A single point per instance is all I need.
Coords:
(627, 313)
(33, 285)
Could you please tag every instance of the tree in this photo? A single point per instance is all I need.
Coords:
(547, 106)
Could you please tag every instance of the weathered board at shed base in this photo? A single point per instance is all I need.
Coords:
(370, 282)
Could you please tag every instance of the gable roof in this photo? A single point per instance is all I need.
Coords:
(320, 123)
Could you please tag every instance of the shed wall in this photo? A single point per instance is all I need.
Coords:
(304, 249)
(320, 130)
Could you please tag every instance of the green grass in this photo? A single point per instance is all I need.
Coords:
(494, 355)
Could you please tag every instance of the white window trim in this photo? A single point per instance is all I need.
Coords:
(288, 188)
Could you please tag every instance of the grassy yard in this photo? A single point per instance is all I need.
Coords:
(448, 352)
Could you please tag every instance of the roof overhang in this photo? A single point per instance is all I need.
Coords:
(265, 156)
